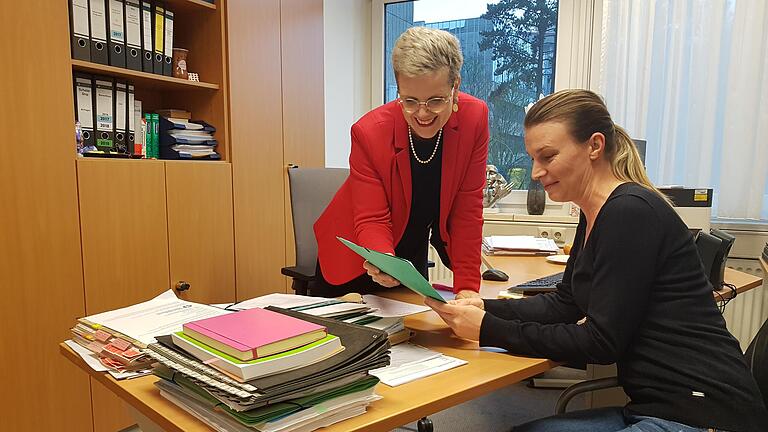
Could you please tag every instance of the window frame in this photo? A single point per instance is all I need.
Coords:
(577, 56)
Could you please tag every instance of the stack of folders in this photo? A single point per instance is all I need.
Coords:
(518, 245)
(270, 369)
(117, 352)
(187, 139)
(109, 116)
(375, 312)
(131, 34)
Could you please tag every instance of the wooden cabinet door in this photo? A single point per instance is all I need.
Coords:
(40, 268)
(125, 249)
(256, 131)
(200, 229)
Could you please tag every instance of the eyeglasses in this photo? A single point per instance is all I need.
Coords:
(435, 104)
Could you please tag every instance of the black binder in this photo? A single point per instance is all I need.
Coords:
(121, 116)
(98, 17)
(116, 33)
(168, 44)
(104, 124)
(131, 121)
(80, 30)
(132, 35)
(158, 23)
(83, 86)
(147, 32)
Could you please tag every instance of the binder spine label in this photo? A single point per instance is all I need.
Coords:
(131, 107)
(80, 18)
(98, 21)
(132, 31)
(146, 16)
(159, 18)
(116, 30)
(104, 105)
(168, 34)
(120, 108)
(84, 103)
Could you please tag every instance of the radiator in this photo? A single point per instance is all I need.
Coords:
(746, 313)
(439, 272)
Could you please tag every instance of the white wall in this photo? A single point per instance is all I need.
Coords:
(347, 52)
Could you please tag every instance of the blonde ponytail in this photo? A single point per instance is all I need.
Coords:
(585, 113)
(626, 162)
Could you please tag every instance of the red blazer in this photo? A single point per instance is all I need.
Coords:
(372, 207)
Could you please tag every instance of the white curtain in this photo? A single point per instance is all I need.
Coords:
(691, 77)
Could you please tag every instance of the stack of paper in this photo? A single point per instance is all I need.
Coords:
(187, 139)
(411, 362)
(375, 312)
(116, 338)
(307, 396)
(514, 245)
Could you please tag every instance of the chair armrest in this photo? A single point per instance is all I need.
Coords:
(305, 274)
(584, 386)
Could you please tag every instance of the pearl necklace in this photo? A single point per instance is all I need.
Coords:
(413, 150)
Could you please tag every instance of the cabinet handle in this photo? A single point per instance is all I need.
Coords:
(182, 286)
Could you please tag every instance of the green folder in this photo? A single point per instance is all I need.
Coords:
(399, 268)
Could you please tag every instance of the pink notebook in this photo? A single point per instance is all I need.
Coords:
(254, 333)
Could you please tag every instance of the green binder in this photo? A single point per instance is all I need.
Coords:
(399, 268)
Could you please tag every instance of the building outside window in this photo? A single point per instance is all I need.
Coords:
(509, 61)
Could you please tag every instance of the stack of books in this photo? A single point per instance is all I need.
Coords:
(181, 138)
(518, 245)
(270, 369)
(374, 312)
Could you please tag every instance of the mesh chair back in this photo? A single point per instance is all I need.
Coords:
(311, 191)
(757, 360)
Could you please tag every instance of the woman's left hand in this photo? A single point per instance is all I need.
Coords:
(465, 321)
(467, 294)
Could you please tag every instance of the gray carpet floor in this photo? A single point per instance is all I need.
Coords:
(504, 408)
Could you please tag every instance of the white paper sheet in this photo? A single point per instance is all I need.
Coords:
(284, 301)
(410, 362)
(164, 314)
(392, 308)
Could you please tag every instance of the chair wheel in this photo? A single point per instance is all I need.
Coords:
(425, 425)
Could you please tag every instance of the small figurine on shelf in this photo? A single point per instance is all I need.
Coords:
(180, 63)
(193, 77)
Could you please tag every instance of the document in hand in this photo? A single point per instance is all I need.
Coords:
(399, 268)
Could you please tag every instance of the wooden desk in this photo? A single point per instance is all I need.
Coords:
(485, 372)
(521, 269)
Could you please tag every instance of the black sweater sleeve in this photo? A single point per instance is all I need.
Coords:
(614, 273)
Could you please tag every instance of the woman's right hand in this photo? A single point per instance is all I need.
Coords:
(379, 276)
(473, 301)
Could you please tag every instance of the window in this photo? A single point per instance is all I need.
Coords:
(509, 60)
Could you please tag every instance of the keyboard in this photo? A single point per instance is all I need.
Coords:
(535, 286)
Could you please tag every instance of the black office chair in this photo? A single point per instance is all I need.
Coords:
(757, 361)
(311, 191)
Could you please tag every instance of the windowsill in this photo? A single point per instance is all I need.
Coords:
(740, 224)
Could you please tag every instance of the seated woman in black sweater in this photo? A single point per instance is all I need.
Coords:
(635, 274)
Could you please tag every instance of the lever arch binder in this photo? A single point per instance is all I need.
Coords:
(116, 33)
(98, 15)
(80, 30)
(132, 35)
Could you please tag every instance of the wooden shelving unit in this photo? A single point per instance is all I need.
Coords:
(199, 26)
(143, 79)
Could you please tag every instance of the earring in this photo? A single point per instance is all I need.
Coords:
(455, 107)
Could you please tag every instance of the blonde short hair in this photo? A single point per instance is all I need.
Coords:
(422, 50)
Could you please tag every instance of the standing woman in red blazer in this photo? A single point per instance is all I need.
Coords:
(417, 172)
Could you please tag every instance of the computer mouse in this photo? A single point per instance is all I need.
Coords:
(495, 275)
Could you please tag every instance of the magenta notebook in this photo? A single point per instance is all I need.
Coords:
(258, 332)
